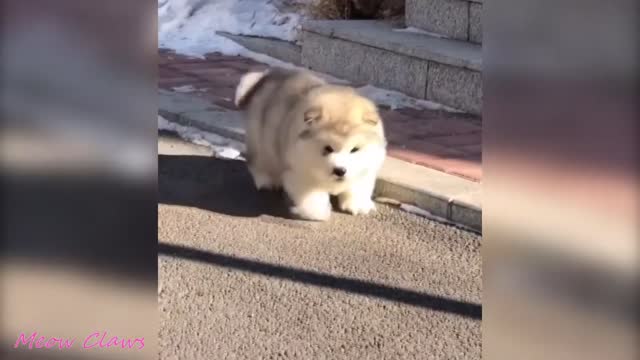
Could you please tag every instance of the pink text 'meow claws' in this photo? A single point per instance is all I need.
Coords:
(43, 342)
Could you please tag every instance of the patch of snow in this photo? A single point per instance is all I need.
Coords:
(189, 26)
(395, 99)
(414, 30)
(229, 153)
(221, 146)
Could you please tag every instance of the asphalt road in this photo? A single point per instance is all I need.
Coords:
(238, 279)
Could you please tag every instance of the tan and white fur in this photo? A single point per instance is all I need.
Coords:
(313, 139)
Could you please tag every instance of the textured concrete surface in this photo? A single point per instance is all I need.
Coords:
(239, 280)
(475, 22)
(381, 35)
(455, 87)
(363, 64)
(446, 17)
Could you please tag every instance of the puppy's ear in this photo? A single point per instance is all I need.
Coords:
(371, 118)
(312, 115)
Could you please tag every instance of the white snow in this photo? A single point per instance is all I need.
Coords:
(222, 147)
(189, 26)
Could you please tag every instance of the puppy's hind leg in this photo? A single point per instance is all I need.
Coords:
(261, 178)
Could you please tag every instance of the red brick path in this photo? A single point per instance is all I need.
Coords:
(443, 141)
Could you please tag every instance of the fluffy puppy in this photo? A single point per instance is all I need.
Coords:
(312, 139)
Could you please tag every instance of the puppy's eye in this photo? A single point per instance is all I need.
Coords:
(327, 150)
(355, 149)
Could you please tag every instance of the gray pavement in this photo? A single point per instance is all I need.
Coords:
(238, 279)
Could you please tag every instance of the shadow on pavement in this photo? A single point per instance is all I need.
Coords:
(355, 286)
(218, 185)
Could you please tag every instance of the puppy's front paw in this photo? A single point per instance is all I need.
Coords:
(357, 205)
(313, 207)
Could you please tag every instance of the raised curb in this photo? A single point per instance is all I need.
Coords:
(444, 196)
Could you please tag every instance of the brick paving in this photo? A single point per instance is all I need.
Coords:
(449, 142)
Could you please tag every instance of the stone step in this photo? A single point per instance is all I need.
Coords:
(455, 19)
(372, 52)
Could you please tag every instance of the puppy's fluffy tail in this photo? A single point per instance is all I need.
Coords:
(249, 84)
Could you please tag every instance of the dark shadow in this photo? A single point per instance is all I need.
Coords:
(409, 297)
(92, 224)
(212, 184)
(24, 353)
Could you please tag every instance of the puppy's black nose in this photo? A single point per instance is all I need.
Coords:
(339, 171)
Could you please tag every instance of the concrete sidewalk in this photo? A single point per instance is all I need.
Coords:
(451, 198)
(405, 178)
(239, 280)
(447, 142)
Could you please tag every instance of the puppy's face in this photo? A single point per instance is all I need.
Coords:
(343, 140)
(342, 157)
